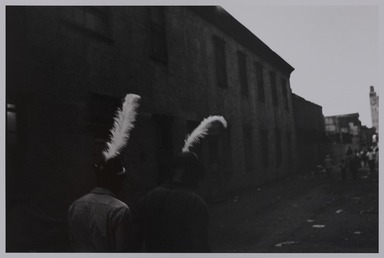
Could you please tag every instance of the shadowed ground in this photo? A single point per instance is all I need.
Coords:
(307, 214)
(272, 218)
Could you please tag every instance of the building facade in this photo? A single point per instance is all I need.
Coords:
(343, 131)
(69, 67)
(366, 139)
(310, 130)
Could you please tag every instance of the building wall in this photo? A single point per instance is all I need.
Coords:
(310, 129)
(344, 131)
(68, 68)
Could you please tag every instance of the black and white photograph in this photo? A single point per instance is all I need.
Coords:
(231, 127)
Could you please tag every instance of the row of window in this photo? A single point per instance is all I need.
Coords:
(96, 19)
(222, 80)
(101, 116)
(249, 151)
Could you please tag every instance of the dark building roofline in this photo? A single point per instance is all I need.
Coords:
(344, 115)
(301, 98)
(228, 24)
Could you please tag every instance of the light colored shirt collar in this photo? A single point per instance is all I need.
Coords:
(102, 190)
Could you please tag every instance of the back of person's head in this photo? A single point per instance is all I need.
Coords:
(187, 170)
(110, 174)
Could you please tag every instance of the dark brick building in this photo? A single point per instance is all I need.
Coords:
(67, 68)
(310, 130)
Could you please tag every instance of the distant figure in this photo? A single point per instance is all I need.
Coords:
(343, 169)
(353, 164)
(363, 155)
(328, 165)
(358, 159)
(371, 160)
(349, 151)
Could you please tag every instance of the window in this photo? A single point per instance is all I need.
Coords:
(227, 151)
(247, 142)
(264, 147)
(102, 110)
(213, 147)
(220, 62)
(273, 87)
(164, 131)
(164, 144)
(278, 146)
(285, 93)
(11, 124)
(158, 34)
(289, 150)
(242, 61)
(96, 19)
(16, 142)
(91, 19)
(260, 82)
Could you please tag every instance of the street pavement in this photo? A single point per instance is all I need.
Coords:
(300, 214)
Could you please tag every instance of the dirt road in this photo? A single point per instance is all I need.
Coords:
(303, 214)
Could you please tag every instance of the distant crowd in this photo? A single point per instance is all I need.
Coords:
(353, 160)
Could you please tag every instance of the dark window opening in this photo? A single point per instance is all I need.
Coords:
(220, 62)
(227, 152)
(12, 122)
(285, 93)
(16, 141)
(158, 34)
(289, 150)
(102, 110)
(164, 145)
(274, 88)
(278, 147)
(247, 143)
(91, 19)
(264, 147)
(242, 61)
(260, 82)
(213, 145)
(164, 131)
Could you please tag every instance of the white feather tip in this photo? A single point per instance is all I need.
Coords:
(123, 124)
(201, 131)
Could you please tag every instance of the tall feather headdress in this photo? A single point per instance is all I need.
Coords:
(201, 131)
(123, 124)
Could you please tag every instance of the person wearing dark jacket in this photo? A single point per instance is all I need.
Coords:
(172, 217)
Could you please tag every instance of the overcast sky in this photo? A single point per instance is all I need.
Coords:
(334, 50)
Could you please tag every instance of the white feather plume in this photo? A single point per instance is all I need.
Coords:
(201, 131)
(123, 124)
